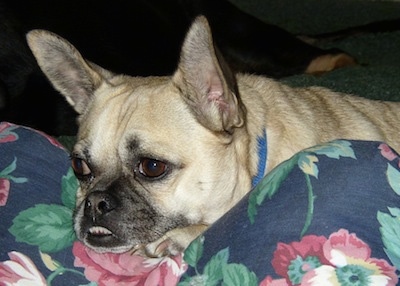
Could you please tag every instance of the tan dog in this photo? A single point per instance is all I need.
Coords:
(161, 158)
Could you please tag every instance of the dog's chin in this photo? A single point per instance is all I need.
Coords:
(117, 250)
(103, 240)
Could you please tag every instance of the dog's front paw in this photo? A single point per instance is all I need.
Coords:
(163, 247)
(173, 242)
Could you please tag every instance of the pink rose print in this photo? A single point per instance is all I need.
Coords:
(268, 281)
(293, 260)
(351, 264)
(20, 270)
(4, 190)
(5, 178)
(5, 132)
(7, 136)
(387, 152)
(128, 269)
(342, 259)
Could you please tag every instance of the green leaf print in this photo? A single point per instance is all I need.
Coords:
(394, 212)
(307, 164)
(306, 161)
(238, 274)
(334, 149)
(310, 210)
(47, 226)
(194, 251)
(213, 269)
(390, 231)
(390, 222)
(6, 173)
(69, 185)
(269, 186)
(217, 271)
(393, 176)
(9, 169)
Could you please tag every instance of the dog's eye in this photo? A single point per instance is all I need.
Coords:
(80, 167)
(152, 168)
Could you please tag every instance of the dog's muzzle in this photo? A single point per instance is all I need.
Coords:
(97, 225)
(116, 219)
(119, 218)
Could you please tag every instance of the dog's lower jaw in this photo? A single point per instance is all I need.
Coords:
(173, 242)
(100, 248)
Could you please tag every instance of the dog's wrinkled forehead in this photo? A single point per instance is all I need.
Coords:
(151, 114)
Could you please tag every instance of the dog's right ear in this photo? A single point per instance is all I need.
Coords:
(66, 69)
(207, 83)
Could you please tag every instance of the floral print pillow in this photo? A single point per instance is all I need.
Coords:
(328, 216)
(37, 243)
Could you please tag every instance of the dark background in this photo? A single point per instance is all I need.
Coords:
(143, 37)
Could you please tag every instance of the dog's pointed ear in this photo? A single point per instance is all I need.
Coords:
(207, 83)
(65, 68)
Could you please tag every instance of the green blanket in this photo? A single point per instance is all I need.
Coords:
(377, 76)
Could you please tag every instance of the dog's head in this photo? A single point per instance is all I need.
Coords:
(152, 154)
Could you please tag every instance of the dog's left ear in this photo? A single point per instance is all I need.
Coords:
(207, 83)
(67, 70)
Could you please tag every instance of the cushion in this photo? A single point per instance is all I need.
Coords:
(329, 214)
(37, 241)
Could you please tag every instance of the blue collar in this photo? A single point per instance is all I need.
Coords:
(262, 159)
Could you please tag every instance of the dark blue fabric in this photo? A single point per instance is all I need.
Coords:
(337, 188)
(40, 164)
(348, 194)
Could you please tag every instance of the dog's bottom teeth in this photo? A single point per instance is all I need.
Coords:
(99, 230)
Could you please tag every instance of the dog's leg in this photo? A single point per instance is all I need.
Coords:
(329, 62)
(173, 242)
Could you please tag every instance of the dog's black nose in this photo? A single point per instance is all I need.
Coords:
(99, 203)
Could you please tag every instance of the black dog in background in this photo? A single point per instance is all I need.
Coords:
(140, 37)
